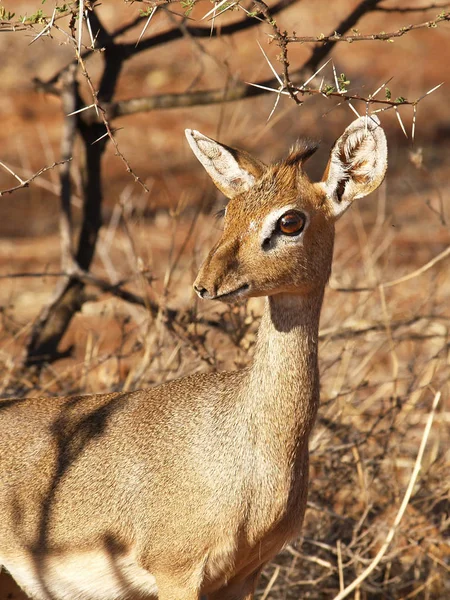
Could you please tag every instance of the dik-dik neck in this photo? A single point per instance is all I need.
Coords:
(284, 378)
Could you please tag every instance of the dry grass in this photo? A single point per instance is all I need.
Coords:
(384, 354)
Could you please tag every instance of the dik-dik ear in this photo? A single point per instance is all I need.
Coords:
(233, 171)
(357, 164)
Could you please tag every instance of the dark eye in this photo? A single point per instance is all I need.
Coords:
(292, 223)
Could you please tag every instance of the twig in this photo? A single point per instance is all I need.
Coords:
(35, 275)
(127, 51)
(239, 91)
(407, 277)
(410, 9)
(340, 569)
(25, 183)
(69, 98)
(117, 290)
(102, 113)
(152, 12)
(336, 37)
(271, 583)
(419, 271)
(401, 511)
(11, 27)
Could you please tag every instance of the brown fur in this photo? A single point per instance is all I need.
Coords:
(197, 483)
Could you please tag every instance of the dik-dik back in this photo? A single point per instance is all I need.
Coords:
(189, 488)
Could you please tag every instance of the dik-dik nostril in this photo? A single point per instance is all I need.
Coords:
(201, 291)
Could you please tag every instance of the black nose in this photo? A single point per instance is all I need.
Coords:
(201, 291)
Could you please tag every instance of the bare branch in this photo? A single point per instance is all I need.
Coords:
(25, 183)
(28, 23)
(152, 3)
(102, 114)
(336, 37)
(69, 102)
(411, 9)
(117, 290)
(404, 278)
(361, 9)
(126, 51)
(237, 92)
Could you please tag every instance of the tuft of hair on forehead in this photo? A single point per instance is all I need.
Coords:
(300, 152)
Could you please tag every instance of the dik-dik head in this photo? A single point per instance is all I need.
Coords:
(278, 225)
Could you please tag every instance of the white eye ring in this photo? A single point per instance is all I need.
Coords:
(270, 225)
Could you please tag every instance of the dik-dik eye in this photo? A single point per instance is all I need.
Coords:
(292, 223)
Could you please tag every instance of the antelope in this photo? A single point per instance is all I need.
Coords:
(186, 490)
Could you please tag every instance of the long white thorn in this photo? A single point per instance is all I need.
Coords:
(400, 121)
(146, 24)
(314, 75)
(336, 79)
(225, 9)
(89, 28)
(40, 34)
(381, 87)
(274, 106)
(436, 87)
(213, 19)
(213, 10)
(413, 127)
(48, 27)
(270, 65)
(75, 112)
(268, 89)
(350, 105)
(12, 172)
(100, 138)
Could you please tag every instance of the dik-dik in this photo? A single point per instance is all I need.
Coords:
(188, 489)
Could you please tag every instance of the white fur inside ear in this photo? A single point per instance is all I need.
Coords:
(357, 163)
(220, 164)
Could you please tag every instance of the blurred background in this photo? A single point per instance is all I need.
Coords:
(384, 350)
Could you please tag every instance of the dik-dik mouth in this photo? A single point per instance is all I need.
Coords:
(234, 294)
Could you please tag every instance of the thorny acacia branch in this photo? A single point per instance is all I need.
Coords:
(7, 25)
(231, 94)
(240, 91)
(127, 51)
(26, 182)
(411, 9)
(336, 37)
(102, 113)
